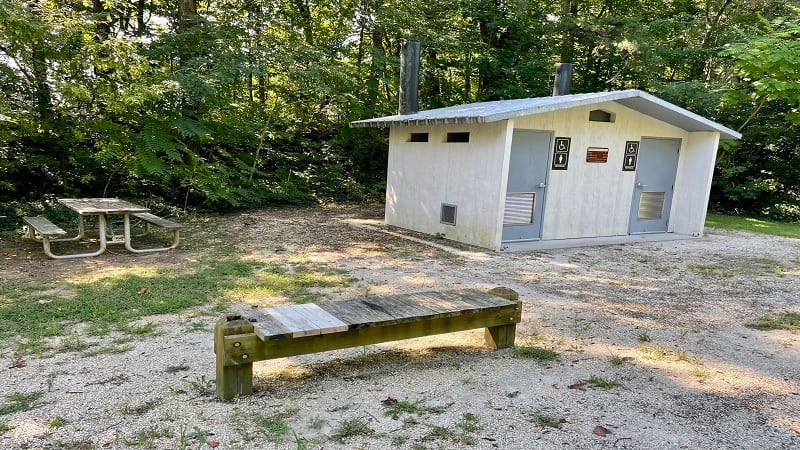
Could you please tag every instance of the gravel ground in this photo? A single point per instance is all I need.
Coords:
(652, 343)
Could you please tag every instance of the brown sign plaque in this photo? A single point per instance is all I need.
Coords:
(596, 155)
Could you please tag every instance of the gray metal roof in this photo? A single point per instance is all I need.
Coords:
(486, 112)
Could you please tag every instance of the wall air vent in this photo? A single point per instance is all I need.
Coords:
(598, 115)
(448, 215)
(458, 137)
(418, 137)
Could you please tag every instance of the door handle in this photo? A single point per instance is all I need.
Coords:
(542, 185)
(640, 186)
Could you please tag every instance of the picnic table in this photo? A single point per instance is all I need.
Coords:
(43, 230)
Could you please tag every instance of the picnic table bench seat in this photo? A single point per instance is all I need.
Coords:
(300, 329)
(152, 219)
(42, 230)
(45, 228)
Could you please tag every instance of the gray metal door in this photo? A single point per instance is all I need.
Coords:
(655, 178)
(527, 182)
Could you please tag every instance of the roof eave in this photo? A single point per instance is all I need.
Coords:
(649, 105)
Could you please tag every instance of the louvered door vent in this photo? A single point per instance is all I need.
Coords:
(519, 208)
(651, 205)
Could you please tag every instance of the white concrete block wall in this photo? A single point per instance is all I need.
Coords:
(693, 183)
(593, 199)
(423, 175)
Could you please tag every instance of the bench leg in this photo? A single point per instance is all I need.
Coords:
(81, 232)
(235, 379)
(176, 237)
(103, 243)
(501, 336)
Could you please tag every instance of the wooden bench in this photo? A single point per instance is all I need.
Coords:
(153, 219)
(291, 330)
(45, 230)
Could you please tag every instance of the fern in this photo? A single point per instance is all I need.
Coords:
(191, 128)
(148, 162)
(157, 140)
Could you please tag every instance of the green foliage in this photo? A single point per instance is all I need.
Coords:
(246, 104)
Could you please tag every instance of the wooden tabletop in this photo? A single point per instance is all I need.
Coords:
(101, 206)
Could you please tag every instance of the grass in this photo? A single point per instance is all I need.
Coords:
(146, 438)
(470, 423)
(396, 408)
(178, 368)
(39, 308)
(600, 382)
(653, 352)
(20, 402)
(438, 433)
(202, 386)
(784, 321)
(357, 426)
(274, 427)
(538, 353)
(58, 422)
(762, 226)
(142, 409)
(545, 421)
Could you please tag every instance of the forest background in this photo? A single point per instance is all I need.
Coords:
(227, 104)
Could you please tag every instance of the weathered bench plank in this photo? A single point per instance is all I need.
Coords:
(305, 320)
(288, 330)
(160, 221)
(44, 227)
(355, 315)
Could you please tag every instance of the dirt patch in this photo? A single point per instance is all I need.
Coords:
(664, 321)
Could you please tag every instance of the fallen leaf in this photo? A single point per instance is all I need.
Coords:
(556, 386)
(389, 400)
(578, 386)
(142, 291)
(212, 444)
(601, 431)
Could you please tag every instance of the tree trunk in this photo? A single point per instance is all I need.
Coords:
(304, 11)
(187, 10)
(44, 95)
(141, 27)
(569, 16)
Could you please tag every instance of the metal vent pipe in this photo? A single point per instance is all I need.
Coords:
(409, 78)
(563, 81)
